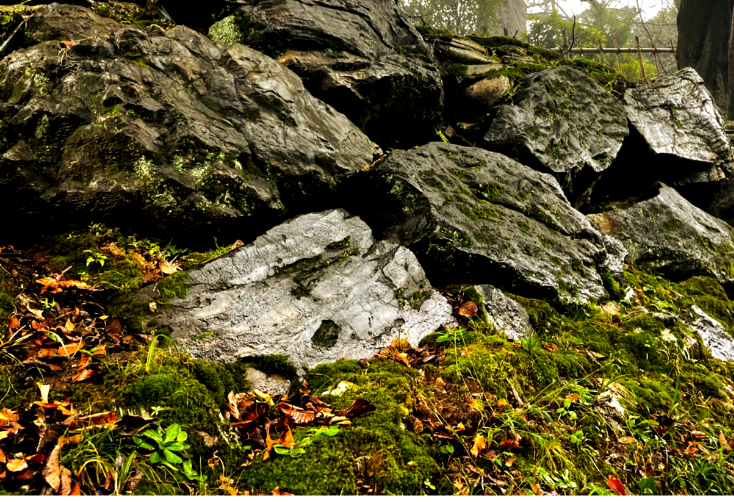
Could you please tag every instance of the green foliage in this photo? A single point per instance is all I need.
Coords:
(168, 449)
(277, 364)
(464, 17)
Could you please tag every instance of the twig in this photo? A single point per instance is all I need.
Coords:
(655, 54)
(573, 38)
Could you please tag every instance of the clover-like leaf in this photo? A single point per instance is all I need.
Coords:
(172, 432)
(172, 457)
(182, 436)
(154, 435)
(155, 458)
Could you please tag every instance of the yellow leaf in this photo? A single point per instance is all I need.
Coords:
(479, 444)
(69, 325)
(16, 465)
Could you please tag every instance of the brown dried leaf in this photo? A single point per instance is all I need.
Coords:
(51, 471)
(65, 488)
(468, 309)
(9, 415)
(298, 415)
(14, 323)
(84, 374)
(357, 408)
(403, 358)
(286, 440)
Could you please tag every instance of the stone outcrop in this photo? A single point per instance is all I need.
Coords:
(667, 235)
(562, 122)
(317, 288)
(677, 137)
(505, 314)
(475, 216)
(364, 58)
(161, 131)
(714, 335)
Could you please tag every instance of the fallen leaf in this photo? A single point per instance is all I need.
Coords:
(84, 374)
(44, 388)
(14, 323)
(278, 491)
(616, 485)
(357, 408)
(550, 347)
(9, 415)
(403, 358)
(51, 471)
(299, 415)
(286, 439)
(480, 443)
(68, 43)
(511, 443)
(627, 440)
(468, 309)
(3, 458)
(723, 442)
(17, 465)
(76, 489)
(510, 461)
(168, 268)
(65, 488)
(69, 325)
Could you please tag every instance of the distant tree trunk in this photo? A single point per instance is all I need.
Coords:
(704, 30)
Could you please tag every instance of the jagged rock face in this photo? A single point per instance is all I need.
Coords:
(479, 217)
(667, 235)
(562, 123)
(714, 335)
(677, 138)
(505, 314)
(142, 127)
(317, 288)
(363, 57)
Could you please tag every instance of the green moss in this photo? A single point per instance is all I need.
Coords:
(276, 364)
(612, 286)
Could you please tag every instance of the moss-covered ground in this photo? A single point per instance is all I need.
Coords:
(601, 396)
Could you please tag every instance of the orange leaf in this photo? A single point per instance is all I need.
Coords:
(403, 358)
(287, 439)
(3, 458)
(468, 309)
(510, 443)
(69, 325)
(71, 348)
(14, 323)
(616, 485)
(76, 489)
(550, 347)
(480, 443)
(6, 414)
(49, 283)
(16, 465)
(84, 374)
(68, 43)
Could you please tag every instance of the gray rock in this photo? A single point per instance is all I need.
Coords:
(504, 313)
(475, 216)
(161, 131)
(460, 50)
(614, 260)
(486, 93)
(274, 384)
(667, 235)
(715, 337)
(677, 137)
(317, 288)
(677, 116)
(562, 122)
(363, 57)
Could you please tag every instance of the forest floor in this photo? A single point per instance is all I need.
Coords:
(603, 399)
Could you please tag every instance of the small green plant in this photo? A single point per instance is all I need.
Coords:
(566, 411)
(168, 449)
(304, 440)
(95, 257)
(48, 305)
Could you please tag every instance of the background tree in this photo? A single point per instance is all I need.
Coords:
(458, 16)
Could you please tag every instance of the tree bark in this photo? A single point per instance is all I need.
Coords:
(704, 29)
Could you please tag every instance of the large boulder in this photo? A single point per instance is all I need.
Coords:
(563, 123)
(161, 131)
(667, 235)
(473, 216)
(678, 138)
(363, 57)
(317, 288)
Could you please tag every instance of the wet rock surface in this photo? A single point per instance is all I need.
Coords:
(160, 131)
(715, 337)
(479, 217)
(667, 235)
(504, 313)
(364, 58)
(677, 137)
(317, 288)
(562, 122)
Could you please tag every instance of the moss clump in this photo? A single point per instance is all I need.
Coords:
(377, 451)
(276, 364)
(227, 32)
(189, 393)
(612, 286)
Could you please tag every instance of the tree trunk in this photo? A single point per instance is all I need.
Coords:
(704, 29)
